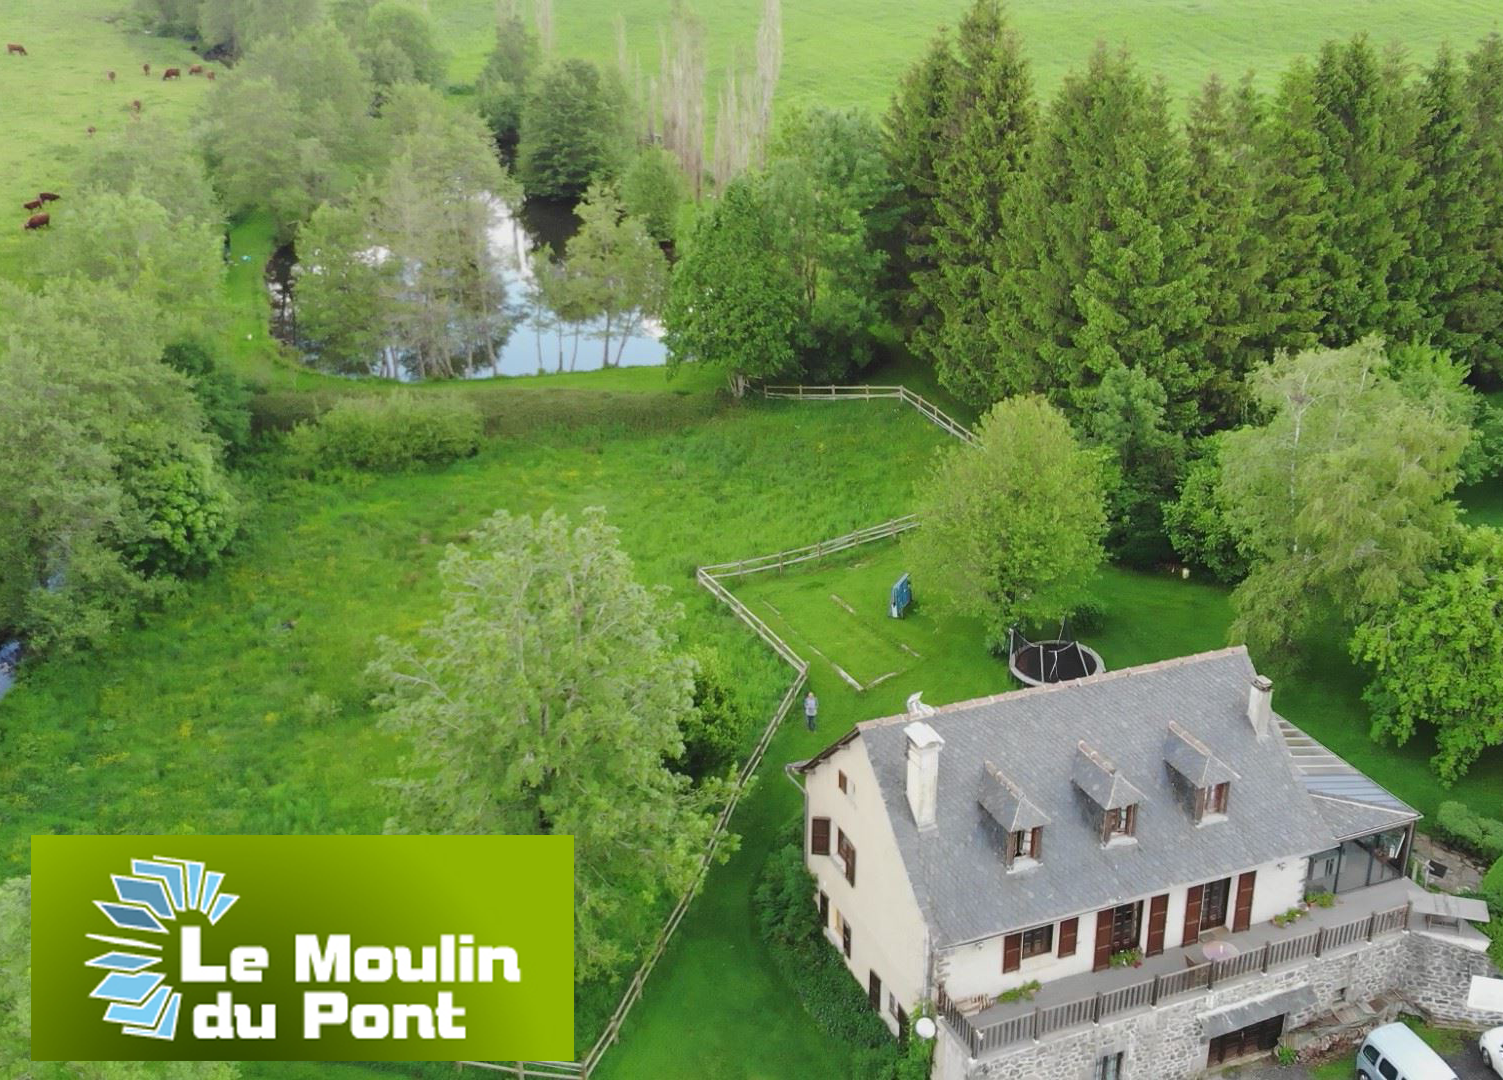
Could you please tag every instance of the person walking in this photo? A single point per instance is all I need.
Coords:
(811, 709)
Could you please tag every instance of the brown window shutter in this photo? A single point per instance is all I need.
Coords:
(1012, 952)
(1200, 803)
(1103, 958)
(1242, 917)
(1192, 914)
(1037, 843)
(1158, 914)
(1068, 931)
(819, 839)
(850, 864)
(1106, 825)
(1132, 819)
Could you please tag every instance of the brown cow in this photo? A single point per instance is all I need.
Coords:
(135, 106)
(91, 129)
(37, 221)
(209, 74)
(12, 49)
(172, 73)
(145, 69)
(35, 204)
(111, 75)
(196, 69)
(48, 196)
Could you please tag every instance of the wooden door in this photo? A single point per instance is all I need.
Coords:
(1127, 926)
(1242, 916)
(1158, 915)
(1012, 952)
(1103, 957)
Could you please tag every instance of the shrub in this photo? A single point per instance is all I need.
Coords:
(1458, 825)
(394, 431)
(789, 923)
(180, 507)
(1196, 521)
(715, 731)
(1492, 884)
(224, 398)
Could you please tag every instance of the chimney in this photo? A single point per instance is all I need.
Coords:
(1260, 705)
(923, 772)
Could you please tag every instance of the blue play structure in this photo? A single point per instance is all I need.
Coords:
(902, 596)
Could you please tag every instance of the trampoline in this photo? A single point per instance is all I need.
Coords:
(1060, 659)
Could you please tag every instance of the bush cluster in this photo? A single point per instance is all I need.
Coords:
(1461, 827)
(788, 922)
(393, 431)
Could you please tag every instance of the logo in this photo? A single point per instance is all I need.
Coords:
(142, 1002)
(302, 948)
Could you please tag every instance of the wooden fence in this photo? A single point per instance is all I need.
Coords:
(1149, 992)
(931, 412)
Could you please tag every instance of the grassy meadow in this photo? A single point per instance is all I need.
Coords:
(850, 52)
(49, 99)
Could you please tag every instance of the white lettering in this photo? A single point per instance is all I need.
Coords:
(372, 964)
(422, 1014)
(193, 970)
(407, 973)
(333, 965)
(508, 957)
(369, 1021)
(226, 1020)
(247, 962)
(322, 1008)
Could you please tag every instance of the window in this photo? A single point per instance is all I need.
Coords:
(847, 851)
(1120, 822)
(1387, 1071)
(845, 937)
(1109, 1067)
(1217, 797)
(1370, 1053)
(1039, 941)
(1025, 844)
(841, 780)
(1126, 922)
(1213, 903)
(819, 836)
(824, 909)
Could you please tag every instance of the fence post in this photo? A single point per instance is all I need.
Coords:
(1267, 948)
(1096, 1010)
(1153, 994)
(1372, 925)
(1320, 940)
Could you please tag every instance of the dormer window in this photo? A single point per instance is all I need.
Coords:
(1203, 779)
(1121, 822)
(1020, 820)
(1112, 794)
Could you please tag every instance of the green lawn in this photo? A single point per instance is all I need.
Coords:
(850, 52)
(49, 99)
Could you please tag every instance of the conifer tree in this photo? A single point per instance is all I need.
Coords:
(1362, 114)
(1481, 308)
(1101, 268)
(1444, 263)
(991, 121)
(1222, 131)
(913, 139)
(1294, 214)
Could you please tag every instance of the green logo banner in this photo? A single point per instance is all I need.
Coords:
(331, 948)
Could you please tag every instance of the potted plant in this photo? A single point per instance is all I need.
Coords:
(1127, 958)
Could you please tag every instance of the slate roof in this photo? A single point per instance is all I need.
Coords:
(1193, 759)
(1006, 803)
(1353, 803)
(956, 869)
(1097, 776)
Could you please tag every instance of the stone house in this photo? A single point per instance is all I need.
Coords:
(1083, 879)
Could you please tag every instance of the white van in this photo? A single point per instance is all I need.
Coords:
(1394, 1052)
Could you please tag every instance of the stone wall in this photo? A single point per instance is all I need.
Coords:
(1437, 975)
(1166, 1043)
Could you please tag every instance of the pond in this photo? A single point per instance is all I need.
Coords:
(527, 342)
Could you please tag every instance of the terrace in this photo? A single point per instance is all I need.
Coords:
(1067, 1004)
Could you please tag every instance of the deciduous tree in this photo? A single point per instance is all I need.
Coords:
(574, 130)
(547, 699)
(1011, 532)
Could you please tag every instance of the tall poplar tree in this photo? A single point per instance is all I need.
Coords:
(1102, 269)
(991, 121)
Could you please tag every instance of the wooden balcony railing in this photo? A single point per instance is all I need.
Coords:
(1043, 1021)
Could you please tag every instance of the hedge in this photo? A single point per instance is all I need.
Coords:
(1456, 824)
(386, 433)
(789, 924)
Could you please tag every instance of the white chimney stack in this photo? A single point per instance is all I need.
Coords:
(1260, 705)
(924, 745)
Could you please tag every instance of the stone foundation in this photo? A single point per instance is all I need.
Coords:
(1166, 1043)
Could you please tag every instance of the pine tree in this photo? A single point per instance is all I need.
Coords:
(1481, 309)
(1222, 133)
(1294, 214)
(1362, 115)
(1102, 269)
(1443, 263)
(991, 120)
(913, 137)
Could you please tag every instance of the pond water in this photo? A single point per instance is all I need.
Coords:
(525, 347)
(10, 656)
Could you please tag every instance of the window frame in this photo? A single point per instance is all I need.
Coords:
(1031, 941)
(1218, 798)
(1118, 823)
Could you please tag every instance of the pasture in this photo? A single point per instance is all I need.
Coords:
(50, 98)
(850, 52)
